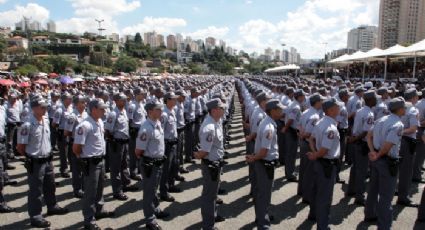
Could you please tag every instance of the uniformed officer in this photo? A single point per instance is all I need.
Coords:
(53, 106)
(189, 112)
(420, 146)
(59, 120)
(117, 129)
(34, 143)
(355, 102)
(181, 124)
(408, 148)
(342, 120)
(211, 152)
(170, 167)
(421, 210)
(381, 109)
(137, 117)
(384, 144)
(150, 149)
(3, 156)
(13, 112)
(308, 120)
(324, 142)
(290, 130)
(363, 123)
(76, 117)
(89, 148)
(265, 160)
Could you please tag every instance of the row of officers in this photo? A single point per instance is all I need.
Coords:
(140, 138)
(386, 135)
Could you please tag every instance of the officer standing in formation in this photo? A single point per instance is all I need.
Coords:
(150, 148)
(89, 148)
(211, 152)
(170, 168)
(265, 159)
(34, 143)
(78, 115)
(384, 144)
(324, 143)
(4, 208)
(117, 130)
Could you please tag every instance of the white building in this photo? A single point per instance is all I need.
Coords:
(363, 38)
(51, 26)
(151, 38)
(35, 26)
(114, 37)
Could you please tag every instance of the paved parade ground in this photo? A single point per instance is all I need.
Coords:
(288, 211)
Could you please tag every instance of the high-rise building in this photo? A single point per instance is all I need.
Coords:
(401, 22)
(277, 55)
(363, 38)
(292, 55)
(151, 39)
(210, 42)
(23, 25)
(35, 26)
(51, 26)
(285, 56)
(179, 38)
(171, 42)
(222, 44)
(160, 40)
(114, 37)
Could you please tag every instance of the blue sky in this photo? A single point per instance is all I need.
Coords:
(251, 25)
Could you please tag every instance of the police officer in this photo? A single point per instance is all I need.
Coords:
(265, 160)
(4, 208)
(117, 129)
(54, 104)
(76, 117)
(181, 123)
(308, 120)
(363, 123)
(59, 120)
(150, 149)
(381, 109)
(408, 148)
(211, 152)
(342, 120)
(290, 130)
(137, 118)
(170, 167)
(89, 148)
(13, 112)
(324, 142)
(34, 143)
(190, 106)
(384, 144)
(420, 146)
(421, 210)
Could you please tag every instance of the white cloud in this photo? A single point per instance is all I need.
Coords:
(248, 2)
(160, 25)
(213, 31)
(308, 27)
(31, 10)
(196, 9)
(96, 8)
(2, 1)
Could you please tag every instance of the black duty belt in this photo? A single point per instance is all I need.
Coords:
(332, 161)
(41, 160)
(120, 141)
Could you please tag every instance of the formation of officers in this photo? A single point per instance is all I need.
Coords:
(146, 131)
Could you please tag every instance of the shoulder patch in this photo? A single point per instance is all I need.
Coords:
(80, 131)
(143, 137)
(331, 135)
(370, 120)
(24, 131)
(269, 135)
(209, 137)
(109, 120)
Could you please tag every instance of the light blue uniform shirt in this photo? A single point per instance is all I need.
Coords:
(388, 129)
(267, 139)
(117, 124)
(151, 139)
(411, 118)
(211, 139)
(35, 136)
(327, 136)
(169, 124)
(363, 121)
(90, 134)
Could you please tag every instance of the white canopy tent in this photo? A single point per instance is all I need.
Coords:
(282, 68)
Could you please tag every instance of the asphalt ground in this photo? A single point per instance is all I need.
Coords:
(288, 210)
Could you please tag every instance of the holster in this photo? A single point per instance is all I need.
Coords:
(327, 166)
(214, 167)
(269, 166)
(133, 132)
(60, 136)
(393, 165)
(171, 142)
(28, 164)
(412, 144)
(84, 166)
(147, 167)
(364, 148)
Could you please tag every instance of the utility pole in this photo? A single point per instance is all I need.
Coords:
(100, 29)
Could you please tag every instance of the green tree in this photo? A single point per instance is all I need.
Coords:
(60, 63)
(27, 70)
(100, 59)
(126, 64)
(138, 39)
